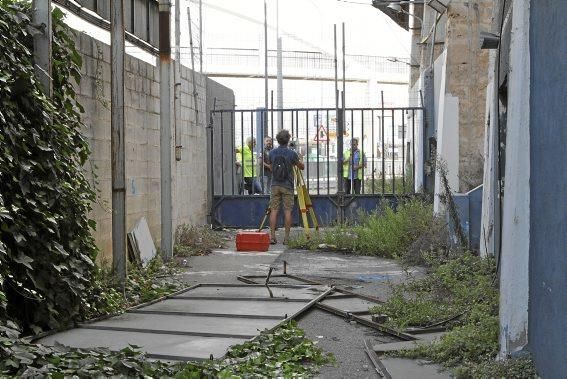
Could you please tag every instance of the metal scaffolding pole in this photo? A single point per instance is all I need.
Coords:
(177, 82)
(42, 44)
(193, 78)
(165, 127)
(265, 118)
(280, 71)
(201, 37)
(118, 141)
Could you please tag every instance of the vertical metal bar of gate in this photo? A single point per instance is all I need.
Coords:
(328, 160)
(403, 153)
(241, 184)
(222, 144)
(307, 145)
(361, 158)
(383, 151)
(251, 191)
(393, 154)
(317, 137)
(373, 143)
(413, 147)
(351, 152)
(232, 148)
(292, 124)
(297, 125)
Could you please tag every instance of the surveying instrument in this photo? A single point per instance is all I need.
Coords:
(305, 205)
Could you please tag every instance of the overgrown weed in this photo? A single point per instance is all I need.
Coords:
(283, 353)
(143, 284)
(405, 232)
(196, 240)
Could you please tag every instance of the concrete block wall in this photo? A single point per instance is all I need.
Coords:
(190, 173)
(142, 110)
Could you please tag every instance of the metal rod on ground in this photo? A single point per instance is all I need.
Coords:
(378, 365)
(118, 142)
(165, 127)
(177, 83)
(195, 92)
(265, 119)
(42, 44)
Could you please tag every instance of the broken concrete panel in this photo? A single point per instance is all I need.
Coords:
(261, 292)
(155, 345)
(277, 309)
(413, 369)
(244, 328)
(142, 242)
(394, 346)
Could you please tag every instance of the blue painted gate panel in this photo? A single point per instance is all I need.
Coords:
(248, 211)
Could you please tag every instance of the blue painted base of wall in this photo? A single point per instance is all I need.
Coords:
(469, 208)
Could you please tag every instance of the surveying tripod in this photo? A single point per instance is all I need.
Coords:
(304, 203)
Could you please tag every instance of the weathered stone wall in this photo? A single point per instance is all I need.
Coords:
(142, 108)
(466, 80)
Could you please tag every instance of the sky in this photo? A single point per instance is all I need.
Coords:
(304, 25)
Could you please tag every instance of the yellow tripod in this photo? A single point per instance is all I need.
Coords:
(304, 202)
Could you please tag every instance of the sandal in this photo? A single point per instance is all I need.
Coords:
(273, 241)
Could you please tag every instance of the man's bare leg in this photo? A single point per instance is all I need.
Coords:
(273, 222)
(287, 223)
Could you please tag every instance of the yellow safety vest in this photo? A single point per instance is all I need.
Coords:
(347, 164)
(248, 160)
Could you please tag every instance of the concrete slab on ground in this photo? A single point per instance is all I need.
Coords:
(277, 308)
(401, 368)
(425, 338)
(184, 328)
(350, 304)
(304, 292)
(157, 345)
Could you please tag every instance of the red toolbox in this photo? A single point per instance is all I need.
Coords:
(252, 241)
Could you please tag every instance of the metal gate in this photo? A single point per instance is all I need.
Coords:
(388, 144)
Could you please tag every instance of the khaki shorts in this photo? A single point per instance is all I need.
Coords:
(279, 195)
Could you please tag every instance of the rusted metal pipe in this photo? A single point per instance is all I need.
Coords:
(165, 127)
(118, 141)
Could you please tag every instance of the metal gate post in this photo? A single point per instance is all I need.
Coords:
(210, 162)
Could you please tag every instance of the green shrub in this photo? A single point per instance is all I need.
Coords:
(460, 288)
(461, 285)
(283, 353)
(405, 232)
(520, 368)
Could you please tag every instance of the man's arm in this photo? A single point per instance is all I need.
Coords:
(299, 162)
(238, 161)
(266, 161)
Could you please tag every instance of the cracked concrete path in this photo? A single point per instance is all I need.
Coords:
(361, 274)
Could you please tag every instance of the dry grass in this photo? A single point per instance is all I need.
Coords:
(196, 240)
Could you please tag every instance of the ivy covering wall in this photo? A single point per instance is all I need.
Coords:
(46, 249)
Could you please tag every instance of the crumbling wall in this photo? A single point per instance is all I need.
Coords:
(466, 80)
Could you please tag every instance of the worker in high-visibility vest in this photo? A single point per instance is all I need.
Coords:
(246, 158)
(353, 163)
